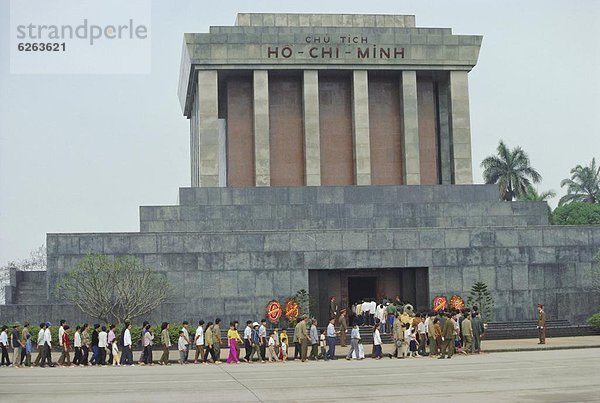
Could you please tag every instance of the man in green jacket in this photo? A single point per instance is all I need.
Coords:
(478, 330)
(447, 337)
(301, 334)
(467, 332)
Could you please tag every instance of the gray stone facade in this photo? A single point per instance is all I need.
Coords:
(261, 243)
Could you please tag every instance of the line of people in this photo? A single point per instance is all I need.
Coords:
(444, 333)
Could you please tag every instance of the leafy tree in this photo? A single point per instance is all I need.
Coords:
(594, 321)
(480, 296)
(304, 301)
(584, 185)
(576, 213)
(114, 289)
(35, 262)
(531, 194)
(511, 170)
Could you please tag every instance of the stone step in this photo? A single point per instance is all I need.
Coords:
(246, 213)
(526, 324)
(337, 194)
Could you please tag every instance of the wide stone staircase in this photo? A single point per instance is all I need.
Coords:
(528, 329)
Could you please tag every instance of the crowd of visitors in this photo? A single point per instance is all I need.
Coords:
(435, 334)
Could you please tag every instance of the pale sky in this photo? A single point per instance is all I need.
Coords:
(81, 153)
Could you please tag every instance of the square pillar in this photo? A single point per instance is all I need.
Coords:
(444, 133)
(312, 139)
(206, 143)
(262, 165)
(410, 128)
(360, 127)
(460, 128)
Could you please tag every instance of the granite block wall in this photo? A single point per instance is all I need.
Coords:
(233, 273)
(217, 272)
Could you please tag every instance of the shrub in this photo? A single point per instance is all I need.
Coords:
(576, 214)
(594, 321)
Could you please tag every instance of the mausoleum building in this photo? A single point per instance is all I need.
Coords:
(332, 153)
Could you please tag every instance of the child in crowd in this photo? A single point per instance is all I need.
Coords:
(406, 340)
(323, 345)
(377, 350)
(271, 349)
(414, 344)
(28, 350)
(283, 352)
(115, 353)
(277, 343)
(182, 347)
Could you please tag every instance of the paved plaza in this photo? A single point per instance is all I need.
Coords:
(536, 376)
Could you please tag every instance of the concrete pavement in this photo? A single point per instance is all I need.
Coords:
(539, 376)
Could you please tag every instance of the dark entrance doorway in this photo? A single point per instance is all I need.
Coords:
(348, 286)
(360, 288)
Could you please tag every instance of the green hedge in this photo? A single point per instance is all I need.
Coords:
(594, 321)
(576, 214)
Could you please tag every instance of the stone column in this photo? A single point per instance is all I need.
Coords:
(444, 130)
(195, 145)
(312, 140)
(360, 127)
(460, 128)
(208, 128)
(410, 128)
(262, 166)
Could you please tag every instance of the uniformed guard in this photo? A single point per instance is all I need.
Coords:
(541, 324)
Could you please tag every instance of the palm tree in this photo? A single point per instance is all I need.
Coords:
(532, 195)
(584, 185)
(510, 169)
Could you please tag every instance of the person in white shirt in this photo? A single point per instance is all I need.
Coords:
(147, 343)
(262, 337)
(405, 342)
(248, 340)
(47, 346)
(366, 306)
(127, 358)
(61, 331)
(186, 335)
(380, 316)
(372, 312)
(4, 346)
(102, 344)
(77, 346)
(377, 352)
(40, 345)
(199, 342)
(331, 335)
(182, 347)
(422, 331)
(271, 349)
(354, 343)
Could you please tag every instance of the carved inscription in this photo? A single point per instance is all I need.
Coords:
(339, 47)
